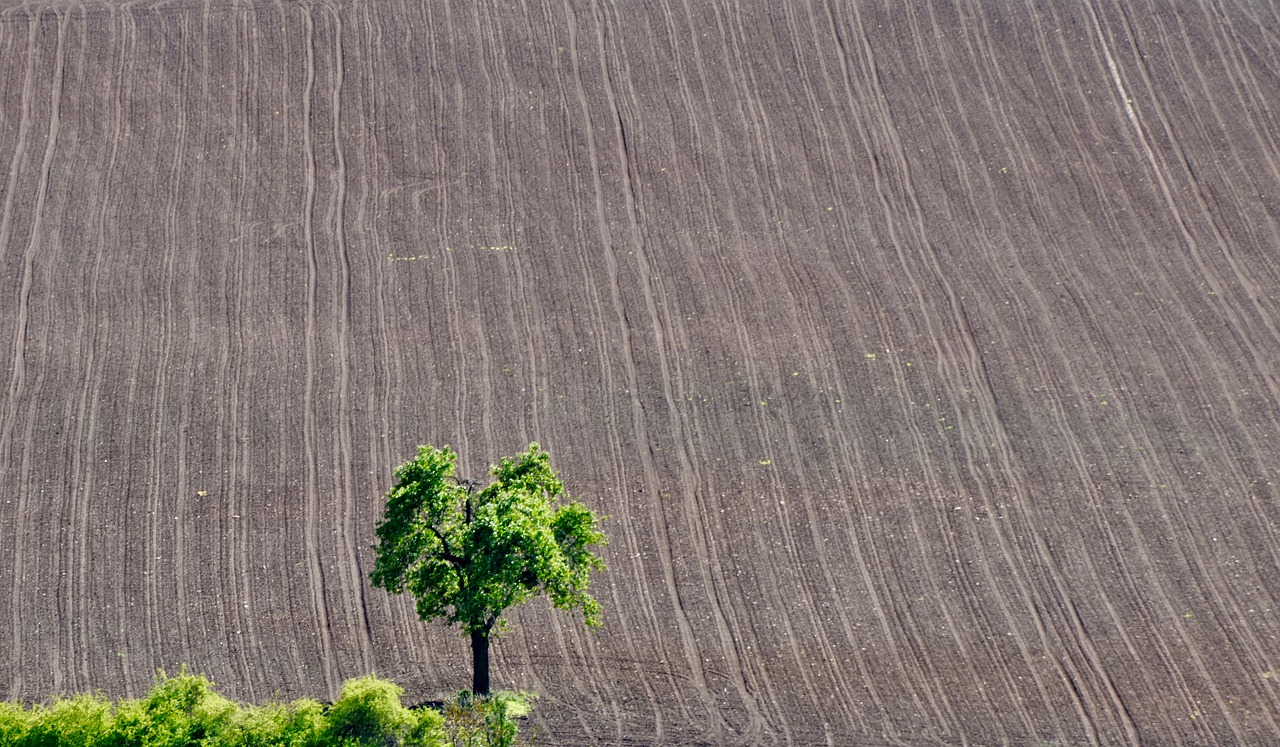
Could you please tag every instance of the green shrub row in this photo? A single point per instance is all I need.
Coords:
(185, 711)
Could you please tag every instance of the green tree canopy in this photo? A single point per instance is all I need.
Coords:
(467, 554)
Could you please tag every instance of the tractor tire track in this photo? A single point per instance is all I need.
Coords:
(315, 569)
(353, 589)
(17, 390)
(14, 168)
(243, 634)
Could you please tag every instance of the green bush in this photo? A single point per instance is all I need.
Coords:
(369, 714)
(13, 723)
(297, 724)
(178, 712)
(185, 711)
(83, 720)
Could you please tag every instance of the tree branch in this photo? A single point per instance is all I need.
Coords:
(446, 553)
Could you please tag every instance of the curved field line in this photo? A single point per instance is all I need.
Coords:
(848, 449)
(893, 186)
(709, 564)
(1030, 588)
(81, 483)
(157, 602)
(239, 583)
(182, 491)
(1163, 179)
(716, 205)
(960, 140)
(1245, 86)
(19, 156)
(315, 569)
(805, 317)
(17, 378)
(1026, 162)
(353, 587)
(641, 597)
(1048, 372)
(688, 53)
(688, 640)
(127, 42)
(1255, 648)
(803, 551)
(14, 168)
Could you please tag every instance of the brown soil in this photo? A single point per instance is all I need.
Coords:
(926, 359)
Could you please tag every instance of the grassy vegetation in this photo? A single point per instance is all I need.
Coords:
(185, 711)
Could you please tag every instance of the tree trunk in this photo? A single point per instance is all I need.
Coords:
(480, 662)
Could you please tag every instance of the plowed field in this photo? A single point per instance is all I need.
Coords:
(926, 355)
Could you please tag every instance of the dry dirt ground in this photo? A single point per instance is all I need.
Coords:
(927, 358)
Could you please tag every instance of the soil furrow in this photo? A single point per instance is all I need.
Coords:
(7, 429)
(353, 588)
(315, 569)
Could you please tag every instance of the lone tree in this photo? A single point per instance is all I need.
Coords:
(468, 554)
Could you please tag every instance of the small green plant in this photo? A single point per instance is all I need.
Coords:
(474, 721)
